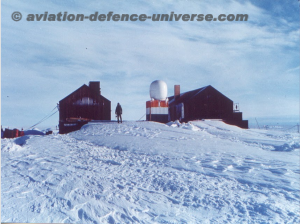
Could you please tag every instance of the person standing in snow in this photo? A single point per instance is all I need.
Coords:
(118, 112)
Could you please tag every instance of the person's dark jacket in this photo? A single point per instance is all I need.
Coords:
(118, 109)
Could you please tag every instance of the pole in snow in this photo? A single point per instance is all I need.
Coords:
(257, 124)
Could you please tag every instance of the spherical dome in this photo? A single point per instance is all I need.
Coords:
(158, 90)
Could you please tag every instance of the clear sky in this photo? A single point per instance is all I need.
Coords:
(254, 63)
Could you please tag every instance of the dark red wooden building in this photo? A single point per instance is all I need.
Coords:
(81, 106)
(204, 103)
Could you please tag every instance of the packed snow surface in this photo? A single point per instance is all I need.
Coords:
(146, 172)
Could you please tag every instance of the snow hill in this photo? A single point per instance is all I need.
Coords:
(146, 172)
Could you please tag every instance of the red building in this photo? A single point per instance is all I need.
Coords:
(204, 103)
(83, 105)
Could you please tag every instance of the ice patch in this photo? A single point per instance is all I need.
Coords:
(21, 140)
(188, 126)
(10, 147)
(287, 147)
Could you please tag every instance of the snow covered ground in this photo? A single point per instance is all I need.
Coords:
(146, 172)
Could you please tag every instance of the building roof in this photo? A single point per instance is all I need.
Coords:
(84, 86)
(184, 97)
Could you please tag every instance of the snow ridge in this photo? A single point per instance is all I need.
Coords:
(146, 172)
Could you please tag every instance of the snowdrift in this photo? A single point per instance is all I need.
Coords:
(146, 172)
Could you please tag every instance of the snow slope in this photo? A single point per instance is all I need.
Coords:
(146, 172)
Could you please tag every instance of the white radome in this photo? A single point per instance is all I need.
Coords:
(158, 90)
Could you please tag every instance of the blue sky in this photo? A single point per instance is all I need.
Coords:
(254, 63)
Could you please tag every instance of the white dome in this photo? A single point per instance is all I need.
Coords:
(158, 90)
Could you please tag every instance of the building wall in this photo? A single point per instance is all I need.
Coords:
(209, 104)
(82, 103)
